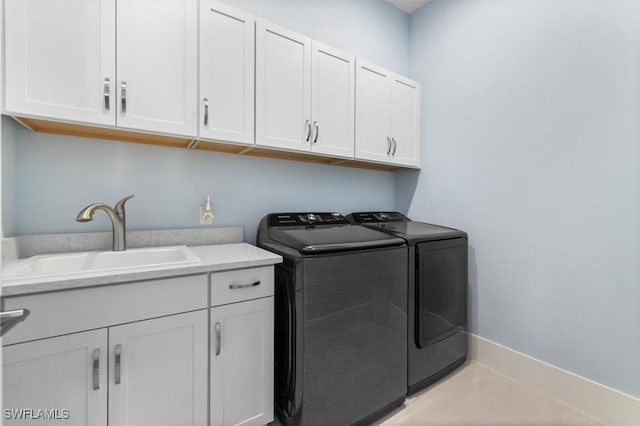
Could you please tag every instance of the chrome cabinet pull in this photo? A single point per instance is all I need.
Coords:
(388, 145)
(96, 369)
(9, 319)
(117, 370)
(6, 315)
(206, 111)
(107, 86)
(123, 96)
(395, 146)
(308, 126)
(315, 124)
(218, 339)
(237, 286)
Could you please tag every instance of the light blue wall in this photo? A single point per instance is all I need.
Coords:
(48, 179)
(9, 184)
(58, 175)
(530, 141)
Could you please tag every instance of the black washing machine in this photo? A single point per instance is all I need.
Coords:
(437, 291)
(340, 319)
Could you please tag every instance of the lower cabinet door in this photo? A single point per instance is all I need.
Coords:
(242, 363)
(61, 380)
(158, 372)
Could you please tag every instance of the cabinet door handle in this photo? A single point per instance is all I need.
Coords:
(117, 370)
(308, 126)
(206, 111)
(96, 369)
(218, 339)
(388, 145)
(315, 139)
(123, 96)
(237, 286)
(395, 146)
(107, 86)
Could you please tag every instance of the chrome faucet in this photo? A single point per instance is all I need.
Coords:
(117, 216)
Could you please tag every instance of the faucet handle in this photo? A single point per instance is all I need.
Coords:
(119, 207)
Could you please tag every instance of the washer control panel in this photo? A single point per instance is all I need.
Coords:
(302, 219)
(377, 217)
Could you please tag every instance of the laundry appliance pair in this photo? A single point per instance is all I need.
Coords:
(369, 307)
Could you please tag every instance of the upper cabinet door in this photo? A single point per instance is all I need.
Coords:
(405, 121)
(333, 95)
(283, 87)
(227, 52)
(60, 59)
(373, 112)
(158, 66)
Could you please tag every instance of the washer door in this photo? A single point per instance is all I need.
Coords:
(441, 289)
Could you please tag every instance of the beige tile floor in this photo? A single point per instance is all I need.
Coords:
(478, 395)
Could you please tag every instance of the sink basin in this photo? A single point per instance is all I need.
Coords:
(73, 265)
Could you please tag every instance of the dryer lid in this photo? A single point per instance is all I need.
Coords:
(419, 231)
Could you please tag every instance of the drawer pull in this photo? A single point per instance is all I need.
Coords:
(96, 369)
(237, 286)
(9, 319)
(117, 370)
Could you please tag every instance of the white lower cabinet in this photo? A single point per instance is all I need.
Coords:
(242, 363)
(67, 376)
(199, 352)
(158, 372)
(157, 375)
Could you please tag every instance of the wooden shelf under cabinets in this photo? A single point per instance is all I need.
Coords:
(72, 129)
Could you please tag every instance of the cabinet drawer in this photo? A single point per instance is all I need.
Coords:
(241, 284)
(70, 311)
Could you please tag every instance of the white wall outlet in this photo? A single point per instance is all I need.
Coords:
(206, 212)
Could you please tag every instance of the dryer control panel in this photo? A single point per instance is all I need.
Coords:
(303, 219)
(377, 217)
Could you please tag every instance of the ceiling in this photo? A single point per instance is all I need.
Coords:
(408, 6)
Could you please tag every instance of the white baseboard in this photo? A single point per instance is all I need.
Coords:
(599, 401)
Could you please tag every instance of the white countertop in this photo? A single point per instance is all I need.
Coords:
(218, 257)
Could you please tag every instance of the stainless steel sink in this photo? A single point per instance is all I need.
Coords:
(88, 263)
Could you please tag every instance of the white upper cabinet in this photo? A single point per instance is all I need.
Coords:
(227, 55)
(283, 87)
(387, 116)
(157, 53)
(373, 112)
(305, 93)
(60, 59)
(200, 69)
(333, 97)
(405, 121)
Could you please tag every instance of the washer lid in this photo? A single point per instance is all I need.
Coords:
(326, 239)
(418, 231)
